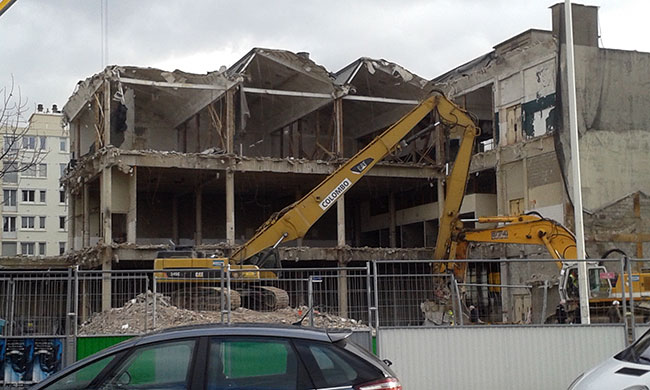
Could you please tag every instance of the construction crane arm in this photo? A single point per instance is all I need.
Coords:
(294, 221)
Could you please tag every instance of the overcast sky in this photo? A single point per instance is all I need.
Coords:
(49, 45)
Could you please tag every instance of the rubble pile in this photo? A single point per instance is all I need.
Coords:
(136, 316)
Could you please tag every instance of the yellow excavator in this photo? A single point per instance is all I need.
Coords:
(533, 229)
(294, 221)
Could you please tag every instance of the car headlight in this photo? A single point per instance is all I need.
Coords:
(637, 387)
(572, 385)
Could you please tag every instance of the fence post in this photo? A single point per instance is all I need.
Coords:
(632, 319)
(624, 301)
(76, 301)
(222, 296)
(68, 352)
(460, 304)
(155, 300)
(376, 281)
(146, 302)
(310, 300)
(370, 305)
(12, 322)
(229, 301)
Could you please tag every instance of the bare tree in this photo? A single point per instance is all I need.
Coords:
(21, 152)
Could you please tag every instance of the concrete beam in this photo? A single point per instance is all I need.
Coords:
(511, 153)
(38, 263)
(277, 165)
(93, 258)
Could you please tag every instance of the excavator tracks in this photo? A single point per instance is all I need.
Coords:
(203, 298)
(259, 298)
(264, 298)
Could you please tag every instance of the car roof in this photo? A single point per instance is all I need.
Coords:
(239, 329)
(246, 329)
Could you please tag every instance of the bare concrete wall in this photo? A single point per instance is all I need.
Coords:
(154, 131)
(614, 123)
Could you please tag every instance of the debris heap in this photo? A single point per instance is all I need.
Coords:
(136, 316)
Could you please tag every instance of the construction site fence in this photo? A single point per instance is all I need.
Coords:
(63, 306)
(376, 294)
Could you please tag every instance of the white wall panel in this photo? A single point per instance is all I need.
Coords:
(499, 358)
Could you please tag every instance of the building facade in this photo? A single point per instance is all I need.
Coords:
(34, 205)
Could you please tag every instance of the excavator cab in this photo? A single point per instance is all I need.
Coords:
(600, 286)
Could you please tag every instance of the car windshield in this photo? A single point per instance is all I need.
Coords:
(639, 352)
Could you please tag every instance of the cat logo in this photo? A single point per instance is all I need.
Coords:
(361, 166)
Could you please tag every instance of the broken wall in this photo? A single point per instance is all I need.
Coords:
(623, 224)
(613, 122)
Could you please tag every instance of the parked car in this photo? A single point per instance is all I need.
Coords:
(627, 370)
(219, 357)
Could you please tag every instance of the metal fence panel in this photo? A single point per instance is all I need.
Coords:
(499, 358)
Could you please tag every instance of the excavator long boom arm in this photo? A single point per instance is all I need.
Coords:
(295, 220)
(526, 229)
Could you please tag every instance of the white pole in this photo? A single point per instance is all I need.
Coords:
(583, 280)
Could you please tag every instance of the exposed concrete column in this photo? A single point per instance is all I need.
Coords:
(340, 221)
(524, 164)
(343, 275)
(392, 225)
(299, 241)
(107, 112)
(340, 214)
(107, 290)
(132, 214)
(86, 216)
(72, 215)
(230, 175)
(198, 213)
(230, 207)
(83, 295)
(338, 126)
(230, 121)
(639, 243)
(106, 201)
(175, 235)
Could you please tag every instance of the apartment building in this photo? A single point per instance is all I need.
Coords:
(34, 205)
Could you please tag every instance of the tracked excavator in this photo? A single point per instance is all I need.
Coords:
(191, 271)
(533, 229)
(453, 241)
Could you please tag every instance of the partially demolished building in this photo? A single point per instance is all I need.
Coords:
(203, 160)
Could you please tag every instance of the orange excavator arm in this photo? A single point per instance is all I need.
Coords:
(527, 229)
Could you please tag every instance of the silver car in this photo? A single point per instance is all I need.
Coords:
(229, 357)
(627, 370)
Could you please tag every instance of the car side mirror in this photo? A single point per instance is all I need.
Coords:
(388, 362)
